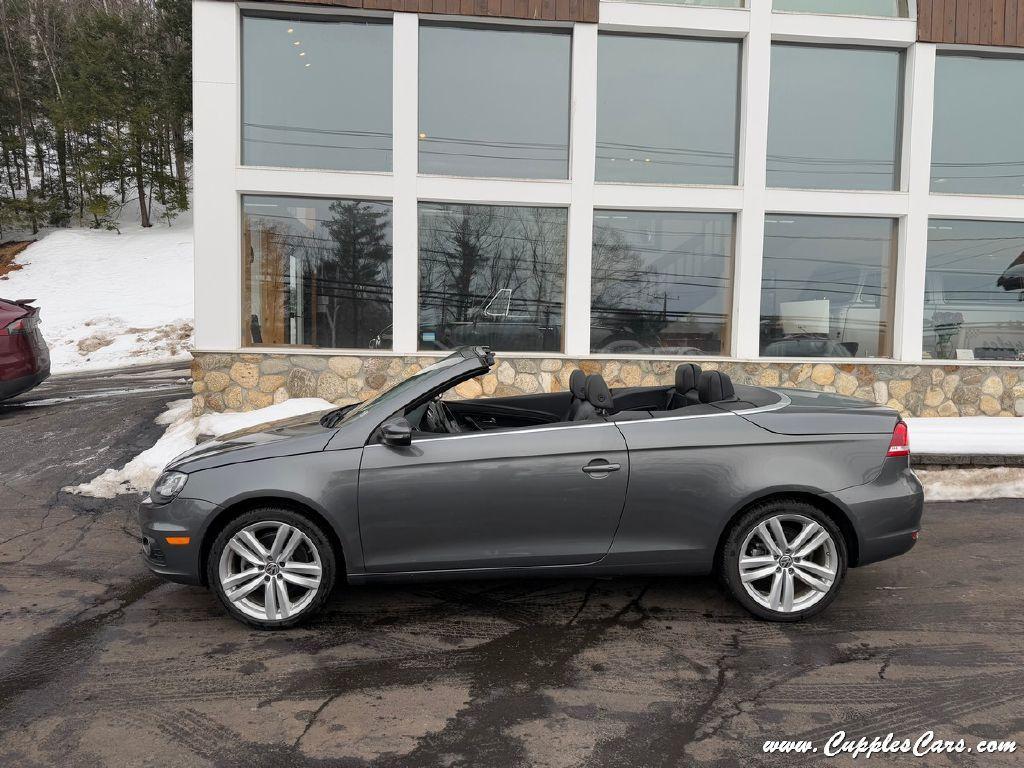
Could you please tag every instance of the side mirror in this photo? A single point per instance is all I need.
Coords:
(397, 433)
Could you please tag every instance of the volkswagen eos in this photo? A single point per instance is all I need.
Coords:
(778, 491)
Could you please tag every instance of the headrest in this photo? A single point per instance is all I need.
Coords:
(713, 386)
(687, 375)
(598, 394)
(578, 384)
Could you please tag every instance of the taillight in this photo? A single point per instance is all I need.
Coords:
(900, 443)
(23, 324)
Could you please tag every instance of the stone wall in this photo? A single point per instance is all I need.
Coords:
(242, 382)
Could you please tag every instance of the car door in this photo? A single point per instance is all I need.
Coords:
(536, 496)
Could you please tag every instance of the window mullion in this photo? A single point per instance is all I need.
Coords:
(582, 157)
(746, 311)
(404, 163)
(908, 322)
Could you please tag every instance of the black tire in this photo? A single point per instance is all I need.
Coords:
(311, 530)
(729, 570)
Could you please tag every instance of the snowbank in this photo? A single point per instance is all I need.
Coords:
(110, 300)
(967, 435)
(183, 429)
(968, 484)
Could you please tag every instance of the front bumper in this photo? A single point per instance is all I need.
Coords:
(178, 518)
(886, 513)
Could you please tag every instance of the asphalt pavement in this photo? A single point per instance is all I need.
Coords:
(101, 664)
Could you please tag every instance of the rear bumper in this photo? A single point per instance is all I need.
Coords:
(13, 387)
(886, 513)
(178, 518)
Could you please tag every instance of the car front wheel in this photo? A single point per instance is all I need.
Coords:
(784, 560)
(271, 568)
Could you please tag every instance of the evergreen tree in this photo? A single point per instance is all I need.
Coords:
(95, 110)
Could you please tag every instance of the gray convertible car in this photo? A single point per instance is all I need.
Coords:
(776, 490)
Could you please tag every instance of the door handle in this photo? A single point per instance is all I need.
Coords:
(601, 469)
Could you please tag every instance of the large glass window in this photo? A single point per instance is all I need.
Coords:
(667, 109)
(494, 102)
(316, 272)
(834, 117)
(901, 9)
(491, 274)
(316, 93)
(977, 143)
(826, 287)
(974, 290)
(661, 282)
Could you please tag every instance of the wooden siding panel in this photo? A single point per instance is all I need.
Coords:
(998, 21)
(971, 22)
(544, 10)
(985, 23)
(924, 18)
(949, 26)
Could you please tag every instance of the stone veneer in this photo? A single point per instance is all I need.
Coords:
(245, 381)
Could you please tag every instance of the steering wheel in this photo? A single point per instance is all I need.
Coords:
(450, 421)
(439, 419)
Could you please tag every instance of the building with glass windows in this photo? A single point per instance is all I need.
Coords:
(825, 194)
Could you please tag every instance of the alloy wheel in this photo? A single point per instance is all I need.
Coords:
(270, 570)
(788, 563)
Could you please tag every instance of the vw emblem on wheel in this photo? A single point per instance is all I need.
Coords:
(785, 561)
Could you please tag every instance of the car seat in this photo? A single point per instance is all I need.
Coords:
(684, 392)
(599, 399)
(577, 393)
(714, 386)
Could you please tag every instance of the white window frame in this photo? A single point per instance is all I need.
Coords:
(221, 180)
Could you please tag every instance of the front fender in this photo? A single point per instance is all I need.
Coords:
(325, 482)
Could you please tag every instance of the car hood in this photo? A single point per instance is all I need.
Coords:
(287, 437)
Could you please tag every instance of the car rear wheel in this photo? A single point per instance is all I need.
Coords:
(784, 560)
(271, 568)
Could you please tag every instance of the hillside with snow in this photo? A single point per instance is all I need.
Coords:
(109, 300)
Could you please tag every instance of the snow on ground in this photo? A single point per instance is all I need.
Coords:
(988, 435)
(138, 475)
(968, 484)
(108, 300)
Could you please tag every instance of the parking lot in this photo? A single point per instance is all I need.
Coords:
(103, 664)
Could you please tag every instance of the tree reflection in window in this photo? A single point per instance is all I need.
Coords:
(662, 282)
(316, 272)
(491, 275)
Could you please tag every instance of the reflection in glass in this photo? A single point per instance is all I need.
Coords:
(900, 9)
(667, 109)
(316, 93)
(834, 117)
(315, 272)
(979, 119)
(494, 102)
(974, 290)
(826, 286)
(662, 282)
(491, 275)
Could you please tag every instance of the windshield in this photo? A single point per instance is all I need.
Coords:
(349, 413)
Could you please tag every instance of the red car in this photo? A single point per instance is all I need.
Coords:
(24, 356)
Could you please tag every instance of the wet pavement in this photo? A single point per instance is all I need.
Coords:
(101, 664)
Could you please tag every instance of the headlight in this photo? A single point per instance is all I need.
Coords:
(167, 486)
